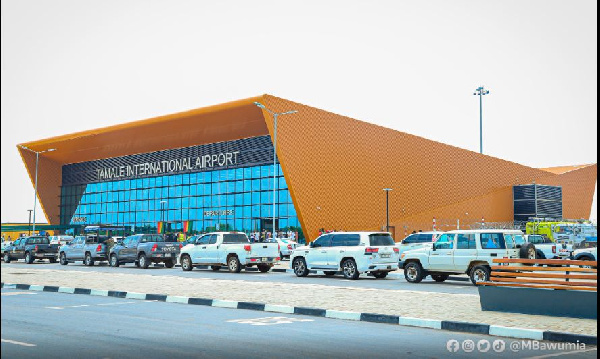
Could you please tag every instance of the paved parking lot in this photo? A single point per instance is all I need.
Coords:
(56, 325)
(285, 289)
(394, 281)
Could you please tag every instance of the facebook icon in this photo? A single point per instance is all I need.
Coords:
(453, 346)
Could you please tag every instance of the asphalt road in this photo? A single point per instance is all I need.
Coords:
(56, 325)
(462, 286)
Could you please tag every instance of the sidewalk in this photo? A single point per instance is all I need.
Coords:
(423, 305)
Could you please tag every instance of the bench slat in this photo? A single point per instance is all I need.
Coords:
(539, 286)
(544, 269)
(545, 275)
(544, 281)
(557, 262)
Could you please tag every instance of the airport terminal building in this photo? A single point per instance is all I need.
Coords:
(212, 169)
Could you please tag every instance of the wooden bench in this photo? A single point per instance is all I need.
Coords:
(541, 286)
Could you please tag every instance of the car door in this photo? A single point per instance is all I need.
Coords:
(14, 250)
(492, 246)
(211, 251)
(465, 252)
(198, 253)
(441, 257)
(129, 252)
(77, 250)
(317, 255)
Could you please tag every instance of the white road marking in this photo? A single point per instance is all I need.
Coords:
(89, 305)
(16, 293)
(563, 354)
(269, 321)
(117, 303)
(18, 343)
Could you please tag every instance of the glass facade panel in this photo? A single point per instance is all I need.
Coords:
(233, 199)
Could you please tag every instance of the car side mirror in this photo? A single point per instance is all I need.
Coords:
(312, 245)
(433, 247)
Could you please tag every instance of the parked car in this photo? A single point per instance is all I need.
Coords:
(546, 249)
(464, 252)
(231, 249)
(143, 249)
(417, 240)
(30, 249)
(353, 253)
(286, 246)
(60, 240)
(88, 249)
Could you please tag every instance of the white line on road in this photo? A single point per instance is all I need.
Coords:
(16, 293)
(564, 354)
(117, 303)
(18, 343)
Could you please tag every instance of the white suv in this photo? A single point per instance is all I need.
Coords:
(351, 252)
(462, 251)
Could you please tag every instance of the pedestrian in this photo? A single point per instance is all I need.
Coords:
(110, 243)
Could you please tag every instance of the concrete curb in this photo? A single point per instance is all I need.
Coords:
(475, 328)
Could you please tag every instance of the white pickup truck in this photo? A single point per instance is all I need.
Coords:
(231, 249)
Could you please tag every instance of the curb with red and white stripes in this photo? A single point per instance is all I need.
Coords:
(464, 327)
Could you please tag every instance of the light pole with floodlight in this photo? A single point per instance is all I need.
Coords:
(481, 91)
(275, 115)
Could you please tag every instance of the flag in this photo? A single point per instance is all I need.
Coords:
(186, 226)
(159, 227)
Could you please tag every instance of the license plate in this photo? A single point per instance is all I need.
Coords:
(158, 255)
(386, 255)
(263, 259)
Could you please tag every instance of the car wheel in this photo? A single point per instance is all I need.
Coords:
(88, 261)
(215, 268)
(480, 274)
(587, 259)
(439, 277)
(413, 272)
(528, 251)
(264, 268)
(114, 261)
(170, 264)
(63, 259)
(329, 273)
(143, 261)
(349, 269)
(380, 275)
(186, 263)
(6, 258)
(299, 266)
(234, 264)
(28, 258)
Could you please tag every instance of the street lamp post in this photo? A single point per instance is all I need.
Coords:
(481, 91)
(37, 160)
(275, 115)
(29, 226)
(387, 208)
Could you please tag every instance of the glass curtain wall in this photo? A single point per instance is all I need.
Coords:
(232, 199)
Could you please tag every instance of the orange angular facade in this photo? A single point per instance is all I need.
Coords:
(336, 167)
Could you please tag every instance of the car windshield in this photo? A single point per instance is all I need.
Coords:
(235, 238)
(381, 239)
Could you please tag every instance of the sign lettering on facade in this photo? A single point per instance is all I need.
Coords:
(228, 212)
(170, 166)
